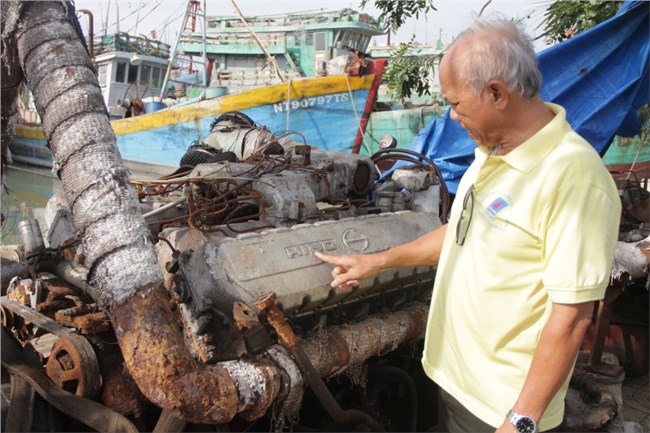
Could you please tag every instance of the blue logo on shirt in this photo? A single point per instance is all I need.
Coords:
(496, 209)
(497, 206)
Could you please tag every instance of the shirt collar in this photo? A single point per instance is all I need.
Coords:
(529, 153)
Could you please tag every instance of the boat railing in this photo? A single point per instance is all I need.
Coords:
(251, 77)
(239, 38)
(232, 77)
(299, 19)
(235, 80)
(233, 44)
(132, 44)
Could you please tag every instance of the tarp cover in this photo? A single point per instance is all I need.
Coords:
(600, 76)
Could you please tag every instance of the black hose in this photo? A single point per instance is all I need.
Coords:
(407, 380)
(406, 151)
(444, 191)
(349, 416)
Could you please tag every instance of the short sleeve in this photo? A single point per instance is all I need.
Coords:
(580, 239)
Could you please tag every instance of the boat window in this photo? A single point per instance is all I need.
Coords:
(155, 78)
(337, 39)
(133, 73)
(365, 41)
(352, 40)
(101, 75)
(145, 73)
(276, 39)
(120, 72)
(320, 42)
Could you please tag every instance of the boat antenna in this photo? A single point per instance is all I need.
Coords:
(108, 8)
(137, 18)
(269, 57)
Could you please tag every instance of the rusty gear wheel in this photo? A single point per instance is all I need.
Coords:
(74, 369)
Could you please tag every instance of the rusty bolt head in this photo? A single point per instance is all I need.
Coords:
(266, 301)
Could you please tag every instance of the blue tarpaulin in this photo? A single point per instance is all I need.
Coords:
(600, 77)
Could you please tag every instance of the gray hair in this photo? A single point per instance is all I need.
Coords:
(505, 53)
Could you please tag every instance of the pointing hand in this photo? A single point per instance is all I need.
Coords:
(350, 268)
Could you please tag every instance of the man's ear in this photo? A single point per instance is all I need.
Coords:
(498, 93)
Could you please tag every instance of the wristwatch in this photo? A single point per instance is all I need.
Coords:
(522, 423)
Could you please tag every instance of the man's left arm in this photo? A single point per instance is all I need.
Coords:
(553, 359)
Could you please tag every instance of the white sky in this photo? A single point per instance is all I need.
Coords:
(165, 16)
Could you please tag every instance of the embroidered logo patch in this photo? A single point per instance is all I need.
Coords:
(497, 206)
(495, 209)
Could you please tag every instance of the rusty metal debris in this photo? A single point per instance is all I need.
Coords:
(25, 364)
(119, 391)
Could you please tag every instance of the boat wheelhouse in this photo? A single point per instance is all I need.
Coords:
(129, 67)
(301, 45)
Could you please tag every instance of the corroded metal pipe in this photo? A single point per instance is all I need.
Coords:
(334, 350)
(291, 342)
(247, 387)
(632, 258)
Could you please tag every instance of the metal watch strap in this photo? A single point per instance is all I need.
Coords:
(515, 417)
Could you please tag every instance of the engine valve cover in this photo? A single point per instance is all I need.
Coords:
(226, 270)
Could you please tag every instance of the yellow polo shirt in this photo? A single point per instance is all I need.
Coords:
(544, 229)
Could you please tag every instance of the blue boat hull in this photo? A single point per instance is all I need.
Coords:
(324, 112)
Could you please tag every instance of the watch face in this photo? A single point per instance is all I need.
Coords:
(525, 425)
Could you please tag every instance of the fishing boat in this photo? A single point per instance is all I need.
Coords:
(247, 52)
(241, 52)
(327, 112)
(323, 95)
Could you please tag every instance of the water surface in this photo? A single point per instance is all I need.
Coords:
(27, 193)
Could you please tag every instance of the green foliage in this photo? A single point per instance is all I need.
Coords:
(395, 12)
(564, 19)
(407, 73)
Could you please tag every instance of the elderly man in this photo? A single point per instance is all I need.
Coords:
(527, 250)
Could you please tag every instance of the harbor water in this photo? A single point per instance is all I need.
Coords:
(27, 191)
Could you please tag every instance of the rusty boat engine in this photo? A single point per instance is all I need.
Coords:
(245, 298)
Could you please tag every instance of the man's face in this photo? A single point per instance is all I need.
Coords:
(473, 112)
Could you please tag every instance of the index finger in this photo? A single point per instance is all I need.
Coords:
(333, 260)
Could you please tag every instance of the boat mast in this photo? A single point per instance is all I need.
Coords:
(108, 9)
(189, 12)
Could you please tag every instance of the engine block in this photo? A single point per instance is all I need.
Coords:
(233, 232)
(225, 270)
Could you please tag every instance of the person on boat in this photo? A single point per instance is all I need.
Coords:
(527, 250)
